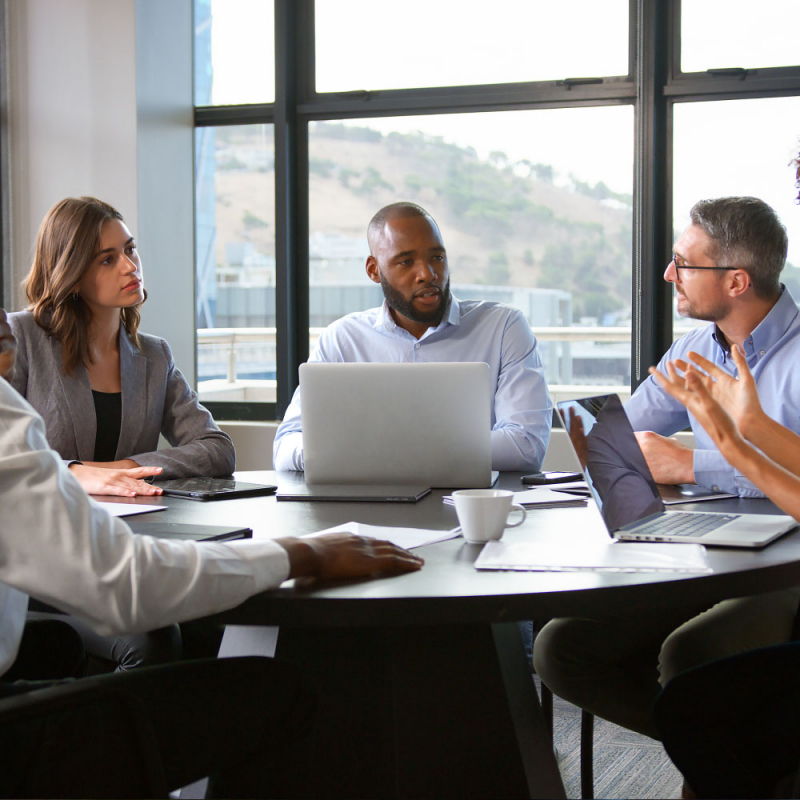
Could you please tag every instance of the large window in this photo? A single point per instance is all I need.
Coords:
(525, 220)
(751, 158)
(363, 45)
(729, 34)
(235, 247)
(559, 146)
(234, 52)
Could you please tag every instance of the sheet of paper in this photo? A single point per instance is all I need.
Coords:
(541, 497)
(581, 484)
(407, 538)
(127, 509)
(604, 556)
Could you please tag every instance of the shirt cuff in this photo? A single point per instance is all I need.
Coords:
(712, 471)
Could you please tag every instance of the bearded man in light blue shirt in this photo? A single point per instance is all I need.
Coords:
(421, 321)
(726, 268)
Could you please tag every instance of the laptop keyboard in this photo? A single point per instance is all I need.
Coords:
(681, 523)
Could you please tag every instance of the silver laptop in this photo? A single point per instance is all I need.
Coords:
(371, 423)
(627, 496)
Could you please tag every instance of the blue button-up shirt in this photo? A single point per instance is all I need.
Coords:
(772, 351)
(472, 330)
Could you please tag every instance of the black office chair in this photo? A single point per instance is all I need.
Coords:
(23, 717)
(587, 732)
(587, 742)
(732, 726)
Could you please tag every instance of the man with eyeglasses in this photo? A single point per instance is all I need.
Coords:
(726, 269)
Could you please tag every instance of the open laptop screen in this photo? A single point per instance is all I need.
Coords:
(612, 461)
(423, 424)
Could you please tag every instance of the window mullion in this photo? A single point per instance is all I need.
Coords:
(651, 296)
(293, 27)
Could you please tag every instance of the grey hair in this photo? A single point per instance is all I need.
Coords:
(745, 232)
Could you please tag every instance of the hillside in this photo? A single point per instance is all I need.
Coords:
(503, 223)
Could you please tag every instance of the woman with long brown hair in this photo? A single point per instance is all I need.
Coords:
(105, 390)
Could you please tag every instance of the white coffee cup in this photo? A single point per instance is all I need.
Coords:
(483, 513)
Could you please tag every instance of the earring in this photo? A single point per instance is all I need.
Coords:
(75, 296)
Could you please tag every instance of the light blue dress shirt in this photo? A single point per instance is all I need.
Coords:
(473, 330)
(772, 352)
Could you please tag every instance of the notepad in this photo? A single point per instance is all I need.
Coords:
(599, 556)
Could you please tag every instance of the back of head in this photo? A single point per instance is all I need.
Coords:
(66, 245)
(400, 210)
(745, 232)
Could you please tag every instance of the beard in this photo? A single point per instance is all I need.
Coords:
(406, 308)
(713, 312)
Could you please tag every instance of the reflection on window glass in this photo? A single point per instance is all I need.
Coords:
(234, 52)
(739, 33)
(441, 44)
(235, 269)
(534, 212)
(739, 147)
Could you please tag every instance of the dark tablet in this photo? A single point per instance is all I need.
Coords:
(212, 488)
(182, 530)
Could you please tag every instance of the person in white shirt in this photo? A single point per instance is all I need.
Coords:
(59, 546)
(421, 321)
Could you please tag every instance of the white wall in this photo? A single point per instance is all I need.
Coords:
(72, 104)
(165, 136)
(100, 102)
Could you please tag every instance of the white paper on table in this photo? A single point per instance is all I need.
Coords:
(543, 496)
(581, 484)
(127, 509)
(407, 538)
(601, 556)
(540, 497)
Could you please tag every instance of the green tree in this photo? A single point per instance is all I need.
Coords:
(321, 166)
(251, 221)
(527, 258)
(413, 183)
(372, 181)
(497, 271)
(345, 174)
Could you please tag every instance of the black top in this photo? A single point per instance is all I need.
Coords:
(108, 408)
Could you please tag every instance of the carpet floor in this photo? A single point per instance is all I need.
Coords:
(626, 764)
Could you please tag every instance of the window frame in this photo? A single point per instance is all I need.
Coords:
(653, 85)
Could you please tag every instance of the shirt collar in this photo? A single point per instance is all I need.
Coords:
(769, 331)
(453, 317)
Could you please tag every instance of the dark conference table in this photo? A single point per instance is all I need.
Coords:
(423, 687)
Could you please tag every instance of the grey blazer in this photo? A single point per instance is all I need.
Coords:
(155, 399)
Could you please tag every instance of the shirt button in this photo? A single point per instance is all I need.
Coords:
(417, 346)
(715, 488)
(763, 352)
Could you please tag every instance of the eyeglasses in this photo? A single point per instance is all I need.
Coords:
(679, 267)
